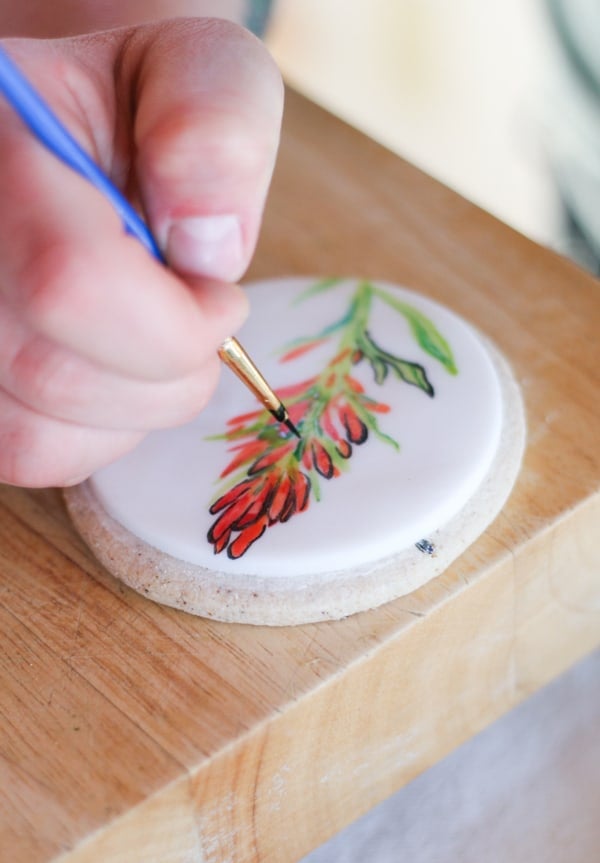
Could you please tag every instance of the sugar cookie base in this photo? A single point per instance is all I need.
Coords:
(281, 601)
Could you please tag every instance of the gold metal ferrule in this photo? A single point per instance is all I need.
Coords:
(234, 356)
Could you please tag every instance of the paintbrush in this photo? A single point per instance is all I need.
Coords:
(48, 129)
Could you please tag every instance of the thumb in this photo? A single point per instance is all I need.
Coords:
(209, 103)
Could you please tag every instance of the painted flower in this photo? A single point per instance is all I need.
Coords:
(273, 489)
(245, 511)
(271, 475)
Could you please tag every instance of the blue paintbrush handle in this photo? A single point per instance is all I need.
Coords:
(48, 129)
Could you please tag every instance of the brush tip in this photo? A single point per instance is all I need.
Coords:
(281, 415)
(292, 428)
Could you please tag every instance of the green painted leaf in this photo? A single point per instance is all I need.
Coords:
(380, 369)
(385, 438)
(318, 288)
(323, 334)
(412, 373)
(382, 361)
(424, 331)
(373, 425)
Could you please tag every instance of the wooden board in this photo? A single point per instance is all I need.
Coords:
(131, 732)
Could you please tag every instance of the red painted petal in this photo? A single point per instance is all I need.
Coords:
(327, 424)
(280, 497)
(242, 543)
(297, 411)
(322, 460)
(248, 452)
(344, 449)
(297, 498)
(236, 447)
(259, 506)
(301, 491)
(230, 496)
(270, 458)
(222, 542)
(231, 515)
(290, 507)
(356, 430)
(253, 513)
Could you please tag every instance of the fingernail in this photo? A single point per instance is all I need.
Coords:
(208, 246)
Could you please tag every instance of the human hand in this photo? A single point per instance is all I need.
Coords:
(98, 342)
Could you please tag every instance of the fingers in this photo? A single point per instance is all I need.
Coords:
(38, 451)
(99, 342)
(74, 276)
(55, 382)
(206, 130)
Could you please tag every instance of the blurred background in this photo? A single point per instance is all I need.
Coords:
(452, 86)
(494, 99)
(500, 101)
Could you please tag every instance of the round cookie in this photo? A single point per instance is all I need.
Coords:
(412, 436)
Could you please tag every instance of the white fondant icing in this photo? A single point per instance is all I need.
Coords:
(385, 501)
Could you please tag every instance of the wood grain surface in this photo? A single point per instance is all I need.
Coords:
(131, 732)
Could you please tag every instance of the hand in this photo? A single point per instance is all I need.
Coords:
(98, 342)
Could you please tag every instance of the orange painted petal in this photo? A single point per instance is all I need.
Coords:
(242, 543)
(246, 453)
(339, 357)
(302, 349)
(377, 407)
(295, 389)
(355, 385)
(242, 419)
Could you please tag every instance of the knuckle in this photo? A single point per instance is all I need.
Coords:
(40, 376)
(23, 461)
(220, 147)
(178, 402)
(48, 287)
(196, 395)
